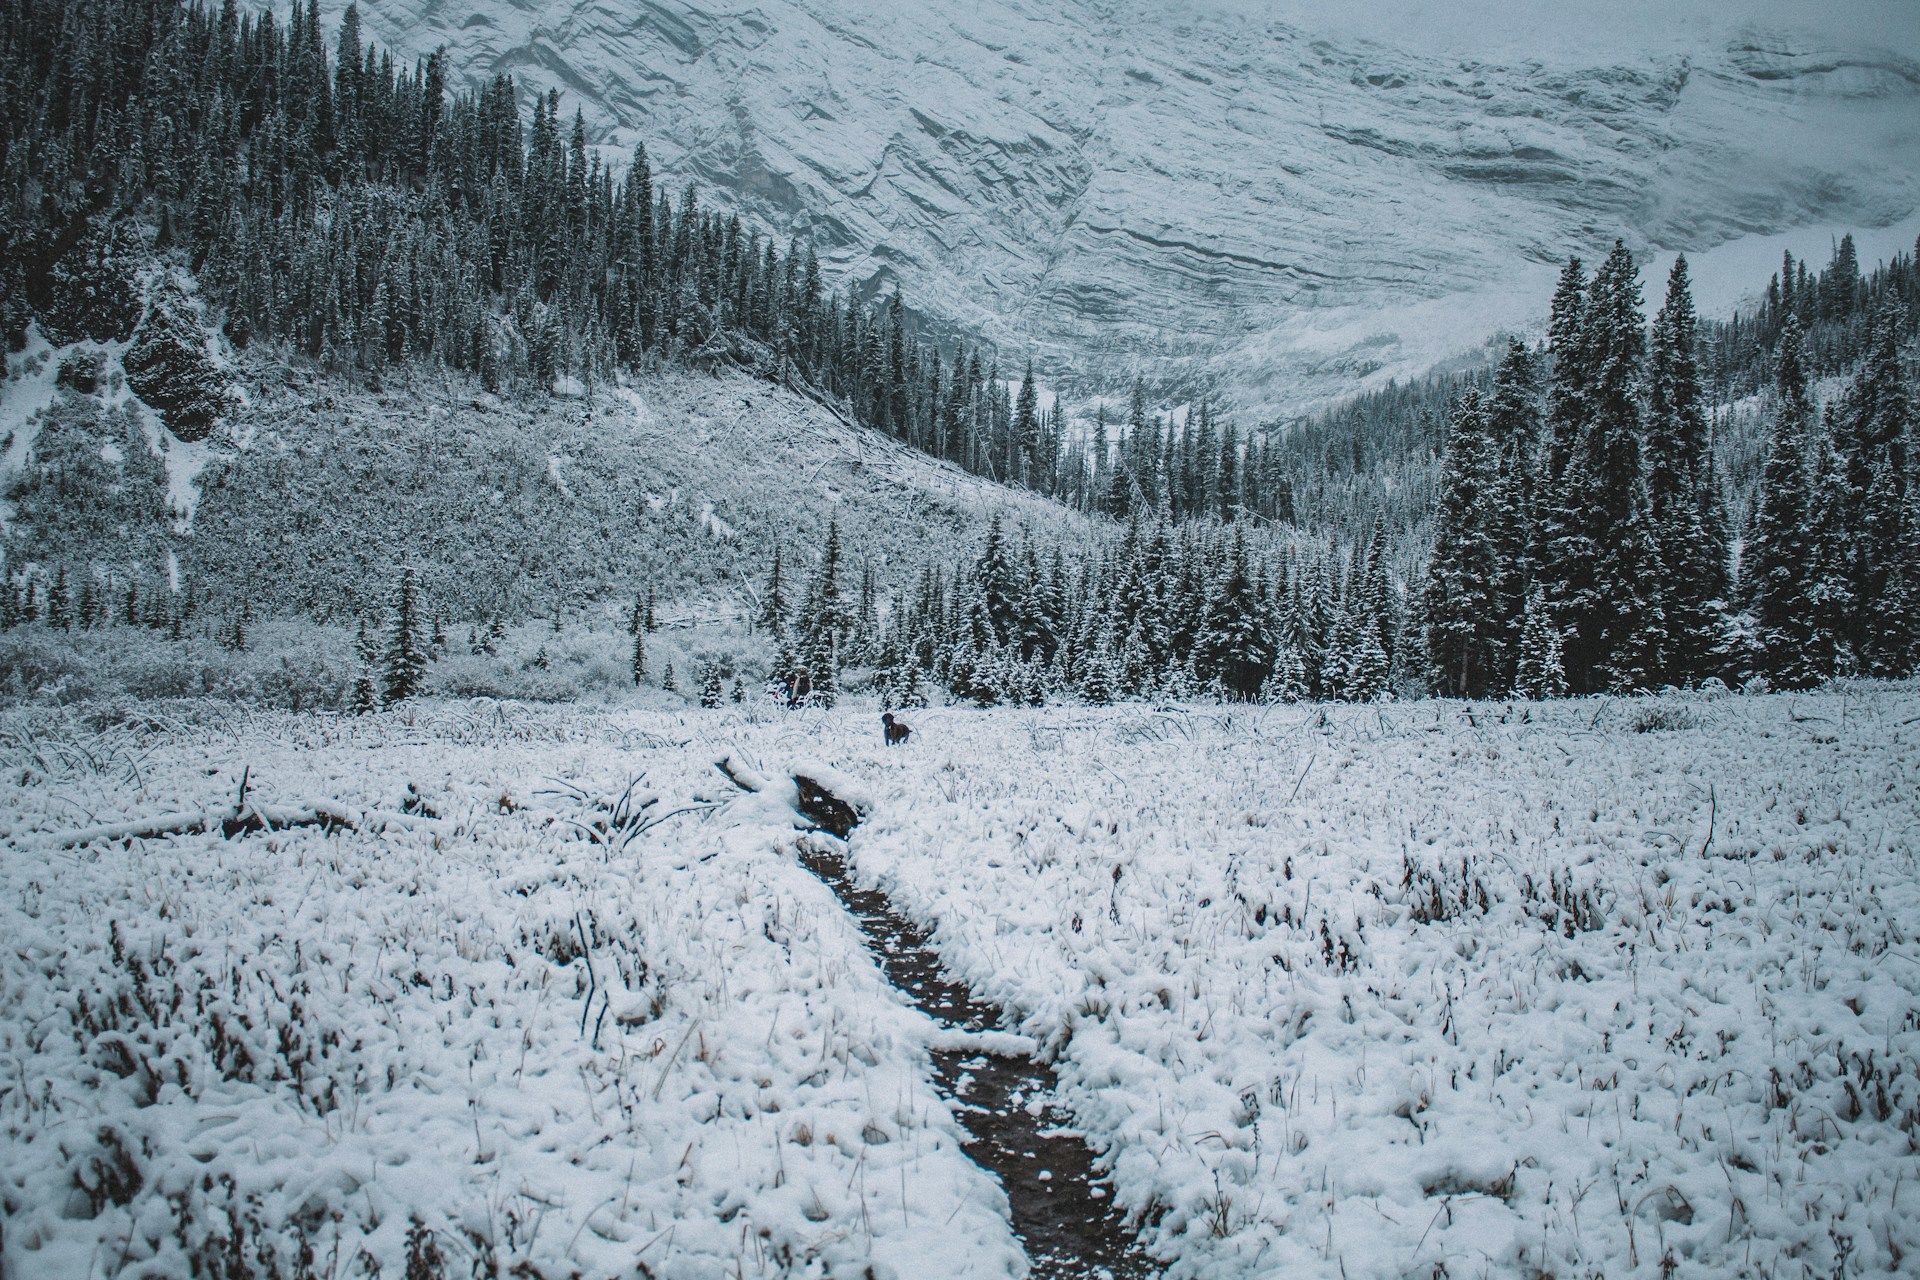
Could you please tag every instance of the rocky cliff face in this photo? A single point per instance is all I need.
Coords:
(1204, 189)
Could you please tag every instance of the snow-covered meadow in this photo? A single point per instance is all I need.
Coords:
(1607, 987)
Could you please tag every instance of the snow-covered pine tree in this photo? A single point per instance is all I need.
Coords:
(711, 687)
(60, 601)
(1314, 618)
(1232, 647)
(823, 627)
(997, 590)
(364, 697)
(1899, 617)
(1694, 588)
(783, 676)
(1622, 640)
(89, 603)
(406, 659)
(1376, 591)
(863, 635)
(1840, 281)
(1879, 419)
(637, 659)
(1287, 682)
(772, 615)
(1028, 460)
(1513, 439)
(1538, 672)
(1829, 549)
(1778, 553)
(1410, 670)
(1634, 639)
(1463, 575)
(1564, 549)
(911, 689)
(1356, 665)
(1096, 685)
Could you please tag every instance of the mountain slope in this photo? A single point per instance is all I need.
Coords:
(1208, 188)
(309, 496)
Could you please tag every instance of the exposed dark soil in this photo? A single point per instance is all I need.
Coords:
(1062, 1214)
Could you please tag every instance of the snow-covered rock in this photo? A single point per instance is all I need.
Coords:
(1288, 197)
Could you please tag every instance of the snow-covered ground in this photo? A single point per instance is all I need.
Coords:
(1591, 988)
(539, 1046)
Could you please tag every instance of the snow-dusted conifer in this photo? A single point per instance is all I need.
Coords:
(1778, 551)
(406, 658)
(1231, 647)
(772, 615)
(1693, 554)
(364, 698)
(1538, 672)
(60, 601)
(1463, 575)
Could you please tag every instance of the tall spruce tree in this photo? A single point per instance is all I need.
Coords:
(1513, 463)
(1621, 639)
(1538, 672)
(1875, 448)
(1682, 507)
(1464, 576)
(1829, 548)
(60, 601)
(406, 658)
(1565, 550)
(1232, 649)
(824, 627)
(1774, 572)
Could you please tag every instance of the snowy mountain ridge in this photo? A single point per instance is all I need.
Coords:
(1245, 192)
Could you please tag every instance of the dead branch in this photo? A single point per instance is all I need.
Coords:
(243, 819)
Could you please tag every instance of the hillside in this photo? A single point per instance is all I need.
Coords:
(320, 324)
(308, 496)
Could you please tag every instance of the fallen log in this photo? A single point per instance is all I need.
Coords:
(818, 805)
(823, 809)
(246, 819)
(739, 775)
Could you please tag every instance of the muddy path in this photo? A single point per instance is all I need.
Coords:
(1064, 1217)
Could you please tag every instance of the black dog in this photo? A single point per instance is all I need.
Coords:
(895, 730)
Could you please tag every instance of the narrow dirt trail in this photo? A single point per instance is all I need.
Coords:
(1063, 1216)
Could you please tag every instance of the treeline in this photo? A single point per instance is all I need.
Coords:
(1581, 540)
(1378, 453)
(1157, 610)
(1581, 544)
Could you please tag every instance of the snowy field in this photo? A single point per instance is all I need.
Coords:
(1612, 987)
